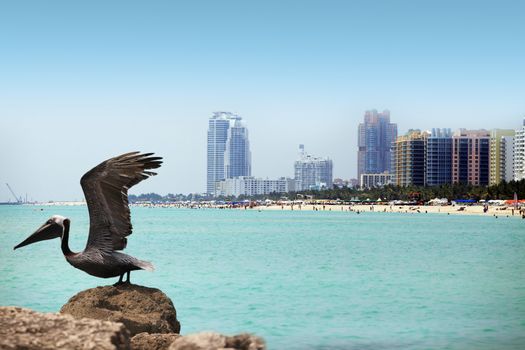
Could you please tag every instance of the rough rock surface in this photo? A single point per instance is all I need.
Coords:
(26, 329)
(214, 341)
(141, 309)
(155, 341)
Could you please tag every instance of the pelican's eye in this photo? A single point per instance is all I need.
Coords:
(49, 221)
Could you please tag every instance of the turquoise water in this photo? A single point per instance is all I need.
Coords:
(302, 280)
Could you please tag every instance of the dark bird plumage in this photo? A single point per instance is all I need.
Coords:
(106, 190)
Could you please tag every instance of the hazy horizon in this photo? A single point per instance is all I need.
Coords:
(82, 82)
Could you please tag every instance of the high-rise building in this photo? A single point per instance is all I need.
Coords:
(519, 153)
(251, 186)
(501, 156)
(375, 137)
(228, 149)
(439, 157)
(470, 157)
(409, 159)
(312, 173)
(237, 157)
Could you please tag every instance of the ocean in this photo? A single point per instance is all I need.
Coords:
(301, 280)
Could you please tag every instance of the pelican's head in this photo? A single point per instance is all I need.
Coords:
(52, 228)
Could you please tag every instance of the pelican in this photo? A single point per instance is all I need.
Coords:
(106, 190)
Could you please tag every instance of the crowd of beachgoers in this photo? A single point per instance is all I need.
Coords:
(496, 208)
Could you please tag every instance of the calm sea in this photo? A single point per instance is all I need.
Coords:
(302, 280)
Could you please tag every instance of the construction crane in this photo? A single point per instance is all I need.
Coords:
(18, 200)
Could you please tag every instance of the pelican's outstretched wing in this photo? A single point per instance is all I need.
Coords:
(106, 190)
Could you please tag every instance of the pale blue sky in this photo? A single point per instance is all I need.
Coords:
(81, 82)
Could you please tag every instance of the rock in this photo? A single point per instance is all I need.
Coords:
(26, 329)
(154, 341)
(141, 309)
(214, 341)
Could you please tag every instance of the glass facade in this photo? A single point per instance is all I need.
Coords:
(228, 152)
(237, 155)
(375, 137)
(439, 157)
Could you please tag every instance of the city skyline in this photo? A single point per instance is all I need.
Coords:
(9, 197)
(83, 82)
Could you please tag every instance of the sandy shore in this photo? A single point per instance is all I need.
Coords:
(496, 211)
(447, 210)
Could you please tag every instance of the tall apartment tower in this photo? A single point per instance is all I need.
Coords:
(228, 149)
(237, 157)
(439, 157)
(471, 157)
(312, 173)
(409, 159)
(375, 137)
(501, 156)
(519, 153)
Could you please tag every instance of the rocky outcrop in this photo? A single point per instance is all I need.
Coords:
(155, 341)
(215, 341)
(111, 317)
(140, 309)
(26, 329)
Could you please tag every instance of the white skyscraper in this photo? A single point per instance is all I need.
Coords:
(228, 149)
(237, 157)
(312, 173)
(519, 153)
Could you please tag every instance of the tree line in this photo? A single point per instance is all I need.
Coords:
(503, 190)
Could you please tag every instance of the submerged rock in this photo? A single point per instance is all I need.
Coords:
(154, 341)
(214, 341)
(140, 309)
(27, 329)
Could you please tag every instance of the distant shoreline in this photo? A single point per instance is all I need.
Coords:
(494, 211)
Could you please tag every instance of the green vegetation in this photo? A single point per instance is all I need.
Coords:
(504, 190)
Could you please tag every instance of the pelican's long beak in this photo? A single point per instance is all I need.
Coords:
(46, 231)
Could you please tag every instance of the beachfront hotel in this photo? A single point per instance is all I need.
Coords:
(471, 157)
(476, 157)
(409, 158)
(501, 155)
(368, 181)
(251, 186)
(519, 153)
(439, 157)
(375, 137)
(228, 152)
(312, 173)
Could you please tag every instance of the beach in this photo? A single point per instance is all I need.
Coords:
(499, 211)
(328, 206)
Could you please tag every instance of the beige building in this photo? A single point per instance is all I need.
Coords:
(501, 156)
(409, 158)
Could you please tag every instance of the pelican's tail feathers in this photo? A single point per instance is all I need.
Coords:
(146, 265)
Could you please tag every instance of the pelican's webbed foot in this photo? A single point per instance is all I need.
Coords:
(120, 280)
